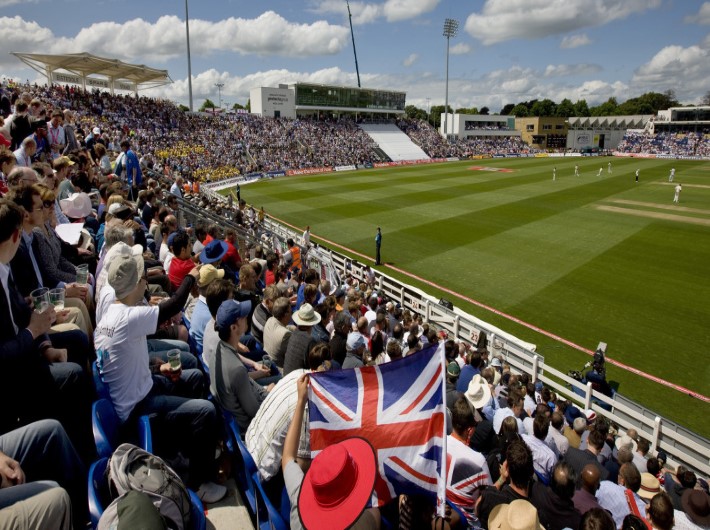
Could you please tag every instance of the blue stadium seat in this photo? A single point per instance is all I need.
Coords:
(101, 388)
(267, 516)
(100, 497)
(106, 426)
(244, 466)
(98, 490)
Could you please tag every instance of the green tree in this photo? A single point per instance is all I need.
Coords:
(237, 106)
(609, 108)
(520, 111)
(184, 108)
(546, 107)
(706, 99)
(463, 110)
(208, 104)
(565, 109)
(248, 105)
(485, 111)
(581, 108)
(508, 109)
(415, 113)
(436, 111)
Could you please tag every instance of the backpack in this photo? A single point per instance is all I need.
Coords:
(133, 509)
(131, 468)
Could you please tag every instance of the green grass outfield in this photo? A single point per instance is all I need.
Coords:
(587, 258)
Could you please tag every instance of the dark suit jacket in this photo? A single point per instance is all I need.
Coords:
(578, 459)
(25, 373)
(23, 271)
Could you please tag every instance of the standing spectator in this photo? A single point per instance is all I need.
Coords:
(378, 245)
(134, 177)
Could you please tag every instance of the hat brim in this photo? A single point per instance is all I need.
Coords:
(299, 321)
(481, 402)
(700, 520)
(223, 250)
(345, 513)
(617, 444)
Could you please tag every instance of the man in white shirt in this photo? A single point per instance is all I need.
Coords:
(544, 458)
(122, 354)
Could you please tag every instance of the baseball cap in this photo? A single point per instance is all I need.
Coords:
(355, 340)
(230, 311)
(453, 369)
(125, 271)
(208, 274)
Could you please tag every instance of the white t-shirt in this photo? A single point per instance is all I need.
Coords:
(106, 298)
(122, 351)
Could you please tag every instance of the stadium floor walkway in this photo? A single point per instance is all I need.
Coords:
(230, 512)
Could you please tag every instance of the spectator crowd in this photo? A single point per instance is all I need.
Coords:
(99, 268)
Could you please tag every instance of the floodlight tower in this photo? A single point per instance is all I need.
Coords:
(219, 86)
(189, 61)
(451, 26)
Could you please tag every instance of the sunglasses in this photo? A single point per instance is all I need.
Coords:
(48, 204)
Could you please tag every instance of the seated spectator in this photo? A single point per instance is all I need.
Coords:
(479, 397)
(544, 458)
(182, 262)
(622, 499)
(43, 382)
(597, 519)
(514, 408)
(557, 422)
(276, 332)
(230, 383)
(578, 458)
(43, 479)
(518, 515)
(136, 388)
(347, 470)
(676, 484)
(201, 313)
(556, 505)
(585, 498)
(696, 510)
(301, 340)
(574, 433)
(660, 512)
(338, 341)
(262, 313)
(267, 431)
(355, 350)
(467, 471)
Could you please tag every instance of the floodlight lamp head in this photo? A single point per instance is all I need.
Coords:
(451, 26)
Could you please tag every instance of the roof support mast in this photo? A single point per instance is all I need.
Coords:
(352, 35)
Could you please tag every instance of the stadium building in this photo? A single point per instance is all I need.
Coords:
(543, 132)
(301, 100)
(478, 125)
(596, 133)
(683, 120)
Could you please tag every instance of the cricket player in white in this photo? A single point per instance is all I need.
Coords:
(672, 175)
(676, 197)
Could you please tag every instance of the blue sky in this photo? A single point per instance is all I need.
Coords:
(506, 51)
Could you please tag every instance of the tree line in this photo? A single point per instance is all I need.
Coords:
(648, 103)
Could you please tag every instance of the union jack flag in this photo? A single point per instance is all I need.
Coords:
(399, 408)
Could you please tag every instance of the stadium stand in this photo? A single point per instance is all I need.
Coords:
(565, 426)
(396, 144)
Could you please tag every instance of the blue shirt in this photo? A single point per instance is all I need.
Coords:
(131, 164)
(200, 317)
(467, 373)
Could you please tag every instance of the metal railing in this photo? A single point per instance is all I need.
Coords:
(681, 445)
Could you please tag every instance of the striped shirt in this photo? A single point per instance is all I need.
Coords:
(267, 431)
(466, 473)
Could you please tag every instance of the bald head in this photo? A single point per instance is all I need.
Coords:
(590, 478)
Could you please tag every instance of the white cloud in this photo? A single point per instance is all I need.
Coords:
(565, 70)
(365, 13)
(702, 17)
(405, 9)
(503, 20)
(461, 48)
(685, 70)
(575, 41)
(409, 61)
(268, 34)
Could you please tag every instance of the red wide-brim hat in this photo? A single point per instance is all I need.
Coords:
(337, 487)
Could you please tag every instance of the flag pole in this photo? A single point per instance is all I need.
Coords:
(441, 484)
